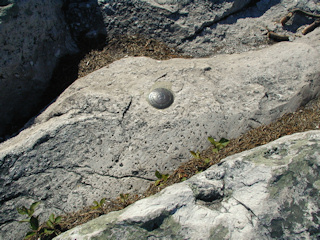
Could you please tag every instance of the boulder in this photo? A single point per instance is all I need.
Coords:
(269, 192)
(33, 35)
(202, 28)
(101, 137)
(169, 20)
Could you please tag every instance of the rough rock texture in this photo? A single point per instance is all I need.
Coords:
(247, 29)
(33, 35)
(101, 138)
(170, 21)
(270, 192)
(201, 27)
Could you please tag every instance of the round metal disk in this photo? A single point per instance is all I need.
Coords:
(161, 98)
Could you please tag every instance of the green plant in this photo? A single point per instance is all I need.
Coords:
(36, 229)
(98, 204)
(124, 197)
(52, 225)
(218, 145)
(25, 211)
(161, 178)
(32, 220)
(196, 155)
(207, 161)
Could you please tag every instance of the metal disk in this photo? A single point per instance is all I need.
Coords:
(161, 98)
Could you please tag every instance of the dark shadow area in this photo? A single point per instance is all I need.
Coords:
(297, 21)
(155, 223)
(4, 3)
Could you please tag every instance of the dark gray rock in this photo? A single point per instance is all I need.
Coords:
(203, 28)
(246, 30)
(33, 35)
(101, 137)
(166, 20)
(270, 192)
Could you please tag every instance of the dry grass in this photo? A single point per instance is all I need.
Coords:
(305, 118)
(122, 46)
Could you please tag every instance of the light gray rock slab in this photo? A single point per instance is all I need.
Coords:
(101, 137)
(33, 35)
(269, 192)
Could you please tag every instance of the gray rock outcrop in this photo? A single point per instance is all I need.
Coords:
(270, 192)
(101, 137)
(170, 21)
(33, 35)
(202, 28)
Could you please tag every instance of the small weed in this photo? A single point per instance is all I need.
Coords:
(37, 230)
(161, 178)
(32, 220)
(207, 161)
(183, 179)
(218, 145)
(124, 197)
(196, 155)
(98, 205)
(52, 225)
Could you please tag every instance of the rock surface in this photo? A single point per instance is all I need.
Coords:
(33, 41)
(170, 21)
(202, 28)
(33, 35)
(101, 137)
(270, 192)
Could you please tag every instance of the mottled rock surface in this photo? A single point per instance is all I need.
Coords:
(202, 28)
(101, 137)
(170, 21)
(270, 192)
(33, 35)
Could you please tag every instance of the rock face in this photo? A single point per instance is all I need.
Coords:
(202, 28)
(270, 192)
(170, 21)
(101, 137)
(33, 35)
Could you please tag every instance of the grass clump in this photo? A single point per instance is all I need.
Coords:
(48, 230)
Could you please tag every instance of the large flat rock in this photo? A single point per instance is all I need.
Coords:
(270, 192)
(101, 137)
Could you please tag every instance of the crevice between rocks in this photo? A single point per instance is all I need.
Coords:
(210, 23)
